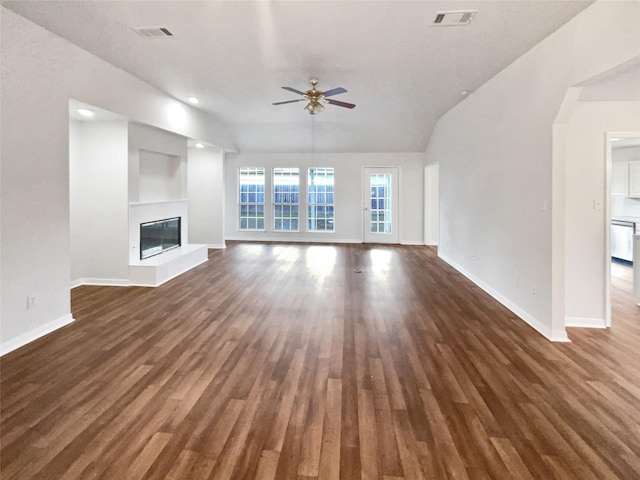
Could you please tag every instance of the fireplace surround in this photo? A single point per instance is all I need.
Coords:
(158, 236)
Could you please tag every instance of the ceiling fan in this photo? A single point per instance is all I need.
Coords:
(317, 97)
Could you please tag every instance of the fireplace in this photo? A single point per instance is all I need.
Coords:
(159, 236)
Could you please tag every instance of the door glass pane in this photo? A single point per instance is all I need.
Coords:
(380, 203)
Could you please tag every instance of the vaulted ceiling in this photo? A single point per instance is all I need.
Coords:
(234, 56)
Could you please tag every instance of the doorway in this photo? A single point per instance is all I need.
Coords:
(380, 213)
(623, 213)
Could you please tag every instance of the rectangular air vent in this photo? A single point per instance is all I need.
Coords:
(153, 32)
(450, 19)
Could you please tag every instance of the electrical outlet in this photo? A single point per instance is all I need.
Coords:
(31, 301)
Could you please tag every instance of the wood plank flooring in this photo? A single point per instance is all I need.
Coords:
(277, 361)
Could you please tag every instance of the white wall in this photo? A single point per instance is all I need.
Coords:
(206, 196)
(586, 225)
(98, 201)
(494, 150)
(431, 204)
(40, 73)
(349, 218)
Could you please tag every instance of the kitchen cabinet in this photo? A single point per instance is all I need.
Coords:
(620, 178)
(634, 179)
(625, 179)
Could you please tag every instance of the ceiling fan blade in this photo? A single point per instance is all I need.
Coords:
(334, 91)
(290, 101)
(294, 90)
(339, 103)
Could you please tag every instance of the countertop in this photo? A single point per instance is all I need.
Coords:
(627, 219)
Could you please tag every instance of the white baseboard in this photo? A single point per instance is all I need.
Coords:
(216, 246)
(585, 322)
(320, 238)
(22, 340)
(553, 335)
(432, 243)
(411, 242)
(559, 336)
(104, 282)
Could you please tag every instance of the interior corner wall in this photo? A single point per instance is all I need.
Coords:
(586, 228)
(98, 201)
(349, 218)
(40, 72)
(206, 196)
(495, 155)
(431, 204)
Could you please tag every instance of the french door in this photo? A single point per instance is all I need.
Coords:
(381, 205)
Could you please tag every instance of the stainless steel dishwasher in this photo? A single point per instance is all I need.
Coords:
(622, 240)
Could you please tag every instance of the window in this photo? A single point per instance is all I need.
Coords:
(286, 198)
(251, 198)
(321, 215)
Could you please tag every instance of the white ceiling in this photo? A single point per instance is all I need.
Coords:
(235, 55)
(99, 114)
(622, 84)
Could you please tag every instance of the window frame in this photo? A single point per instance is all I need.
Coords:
(249, 204)
(290, 204)
(309, 204)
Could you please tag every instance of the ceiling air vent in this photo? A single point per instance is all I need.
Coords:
(153, 32)
(450, 19)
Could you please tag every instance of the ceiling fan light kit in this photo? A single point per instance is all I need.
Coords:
(314, 107)
(317, 97)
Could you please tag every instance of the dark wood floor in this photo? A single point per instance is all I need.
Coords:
(282, 362)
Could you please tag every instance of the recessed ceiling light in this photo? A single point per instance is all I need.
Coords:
(199, 145)
(85, 112)
(464, 93)
(615, 139)
(193, 100)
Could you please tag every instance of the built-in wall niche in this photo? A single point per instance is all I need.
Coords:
(160, 177)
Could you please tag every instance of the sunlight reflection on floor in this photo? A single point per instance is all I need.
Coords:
(287, 256)
(380, 260)
(320, 262)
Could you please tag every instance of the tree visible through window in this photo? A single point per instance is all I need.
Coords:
(286, 198)
(251, 202)
(320, 206)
